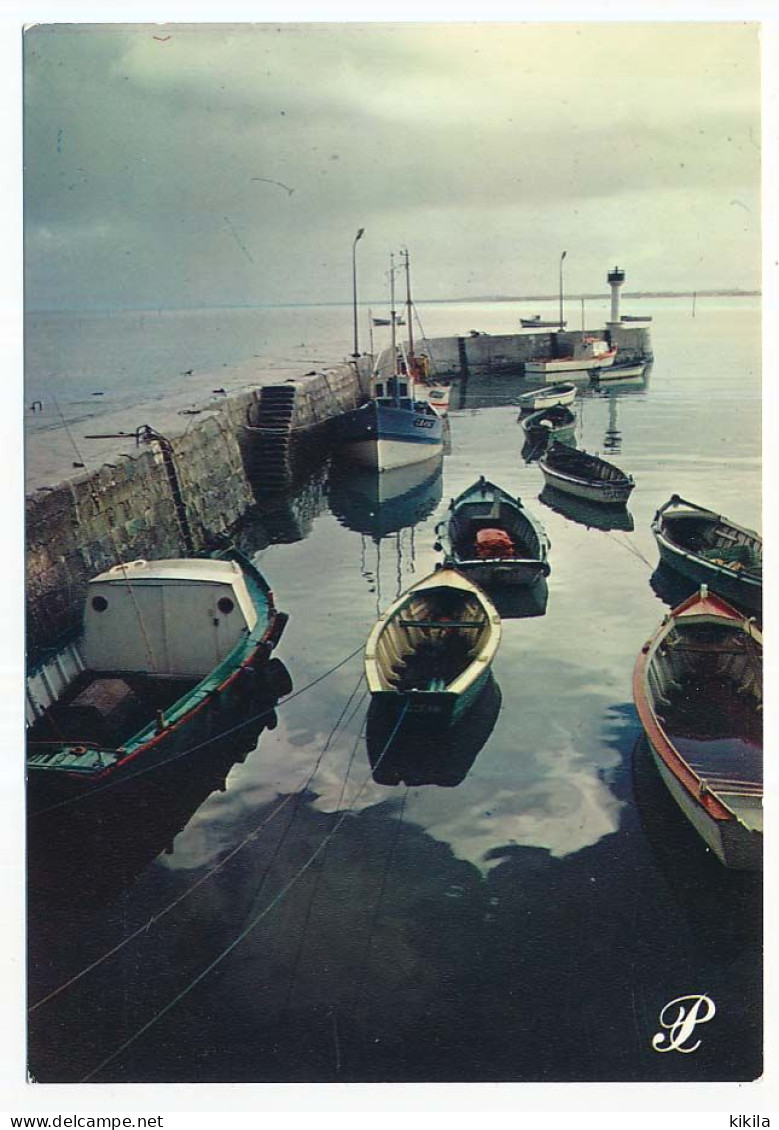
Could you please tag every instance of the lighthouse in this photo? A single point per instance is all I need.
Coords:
(615, 280)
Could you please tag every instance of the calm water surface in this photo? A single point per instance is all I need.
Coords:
(526, 900)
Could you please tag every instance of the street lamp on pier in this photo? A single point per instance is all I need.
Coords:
(356, 352)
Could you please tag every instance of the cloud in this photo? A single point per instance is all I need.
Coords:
(453, 136)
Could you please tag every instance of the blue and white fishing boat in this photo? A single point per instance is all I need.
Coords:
(394, 428)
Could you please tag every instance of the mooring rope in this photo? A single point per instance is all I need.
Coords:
(377, 907)
(318, 875)
(280, 895)
(158, 915)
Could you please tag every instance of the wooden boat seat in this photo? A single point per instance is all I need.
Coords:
(443, 623)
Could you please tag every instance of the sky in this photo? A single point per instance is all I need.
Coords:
(233, 164)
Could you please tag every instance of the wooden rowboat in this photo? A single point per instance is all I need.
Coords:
(709, 549)
(547, 397)
(586, 476)
(698, 689)
(431, 651)
(492, 538)
(554, 421)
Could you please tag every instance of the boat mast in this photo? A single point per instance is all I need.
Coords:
(393, 315)
(408, 314)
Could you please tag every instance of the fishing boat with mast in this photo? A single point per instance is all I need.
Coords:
(426, 387)
(394, 428)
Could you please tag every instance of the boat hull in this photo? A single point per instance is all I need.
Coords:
(546, 398)
(225, 697)
(386, 651)
(605, 493)
(500, 571)
(483, 505)
(733, 844)
(440, 709)
(742, 590)
(383, 437)
(569, 365)
(722, 800)
(619, 372)
(237, 703)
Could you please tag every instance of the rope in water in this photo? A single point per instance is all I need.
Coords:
(280, 895)
(98, 789)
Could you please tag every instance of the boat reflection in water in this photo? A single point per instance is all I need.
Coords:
(379, 504)
(670, 586)
(590, 514)
(520, 603)
(721, 906)
(85, 852)
(622, 379)
(421, 755)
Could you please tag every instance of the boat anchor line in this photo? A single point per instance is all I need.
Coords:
(98, 789)
(377, 907)
(160, 914)
(278, 897)
(339, 805)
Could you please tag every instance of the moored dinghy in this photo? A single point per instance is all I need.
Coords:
(168, 653)
(709, 549)
(586, 476)
(492, 538)
(698, 689)
(556, 421)
(547, 397)
(431, 651)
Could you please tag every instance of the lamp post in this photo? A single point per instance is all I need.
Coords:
(561, 287)
(356, 352)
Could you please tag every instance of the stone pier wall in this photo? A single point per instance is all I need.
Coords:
(458, 356)
(127, 508)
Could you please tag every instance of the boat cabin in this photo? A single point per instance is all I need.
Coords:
(394, 391)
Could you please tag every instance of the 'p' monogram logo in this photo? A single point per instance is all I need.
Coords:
(679, 1018)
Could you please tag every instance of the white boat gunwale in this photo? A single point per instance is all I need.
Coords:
(441, 578)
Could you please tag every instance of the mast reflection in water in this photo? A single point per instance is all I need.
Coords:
(381, 503)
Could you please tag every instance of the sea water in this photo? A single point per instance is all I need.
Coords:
(527, 917)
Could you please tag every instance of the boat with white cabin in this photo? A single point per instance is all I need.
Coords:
(589, 354)
(169, 654)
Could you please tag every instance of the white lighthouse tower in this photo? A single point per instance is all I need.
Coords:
(615, 280)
